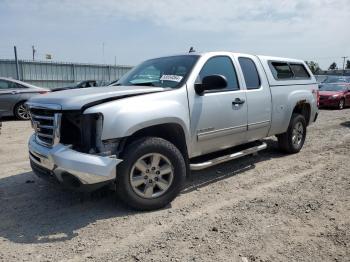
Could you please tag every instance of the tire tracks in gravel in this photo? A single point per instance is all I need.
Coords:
(153, 231)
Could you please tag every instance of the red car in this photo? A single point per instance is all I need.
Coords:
(334, 95)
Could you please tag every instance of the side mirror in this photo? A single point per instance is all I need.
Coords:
(211, 82)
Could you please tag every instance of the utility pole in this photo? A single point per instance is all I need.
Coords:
(103, 52)
(344, 57)
(33, 49)
(115, 60)
(16, 60)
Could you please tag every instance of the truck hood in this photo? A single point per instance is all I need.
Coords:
(76, 99)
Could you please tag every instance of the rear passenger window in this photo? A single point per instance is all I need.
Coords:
(250, 73)
(281, 70)
(299, 71)
(221, 65)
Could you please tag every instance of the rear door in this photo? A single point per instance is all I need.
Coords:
(258, 97)
(9, 96)
(219, 118)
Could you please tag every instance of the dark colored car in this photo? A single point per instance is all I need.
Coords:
(334, 95)
(83, 84)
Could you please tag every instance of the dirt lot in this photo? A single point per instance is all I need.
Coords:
(271, 207)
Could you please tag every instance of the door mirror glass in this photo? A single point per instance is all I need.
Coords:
(211, 82)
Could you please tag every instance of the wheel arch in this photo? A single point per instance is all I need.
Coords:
(16, 104)
(172, 132)
(303, 108)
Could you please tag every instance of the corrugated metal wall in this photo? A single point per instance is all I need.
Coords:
(55, 74)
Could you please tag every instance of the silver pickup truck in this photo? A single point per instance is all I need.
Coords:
(168, 116)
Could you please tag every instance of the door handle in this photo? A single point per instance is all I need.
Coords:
(238, 101)
(14, 92)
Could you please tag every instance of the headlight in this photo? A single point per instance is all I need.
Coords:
(82, 131)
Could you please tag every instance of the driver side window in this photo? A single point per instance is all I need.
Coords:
(7, 85)
(221, 65)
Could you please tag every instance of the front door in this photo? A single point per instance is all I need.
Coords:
(219, 117)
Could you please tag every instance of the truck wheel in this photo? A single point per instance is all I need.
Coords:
(293, 140)
(21, 112)
(152, 174)
(341, 104)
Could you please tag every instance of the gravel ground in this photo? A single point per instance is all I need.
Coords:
(270, 207)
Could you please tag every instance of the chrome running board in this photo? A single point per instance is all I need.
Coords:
(221, 159)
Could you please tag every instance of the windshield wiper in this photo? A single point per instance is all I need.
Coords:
(143, 84)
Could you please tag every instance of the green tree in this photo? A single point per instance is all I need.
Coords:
(314, 67)
(333, 66)
(347, 64)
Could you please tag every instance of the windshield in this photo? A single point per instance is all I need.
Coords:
(337, 79)
(160, 72)
(333, 88)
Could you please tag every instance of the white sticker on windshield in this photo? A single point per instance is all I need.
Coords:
(174, 78)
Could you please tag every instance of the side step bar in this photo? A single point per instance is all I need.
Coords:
(221, 159)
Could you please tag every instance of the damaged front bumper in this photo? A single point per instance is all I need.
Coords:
(70, 167)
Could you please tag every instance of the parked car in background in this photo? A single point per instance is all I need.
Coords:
(13, 96)
(334, 95)
(337, 79)
(82, 84)
(320, 78)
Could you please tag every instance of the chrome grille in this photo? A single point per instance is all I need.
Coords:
(46, 124)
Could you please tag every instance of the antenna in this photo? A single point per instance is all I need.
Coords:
(192, 50)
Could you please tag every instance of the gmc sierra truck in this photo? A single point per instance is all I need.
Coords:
(168, 116)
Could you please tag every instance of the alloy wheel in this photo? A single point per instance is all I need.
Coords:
(297, 134)
(22, 112)
(151, 176)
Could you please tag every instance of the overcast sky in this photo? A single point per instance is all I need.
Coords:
(134, 30)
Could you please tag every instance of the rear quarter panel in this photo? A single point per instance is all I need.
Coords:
(284, 100)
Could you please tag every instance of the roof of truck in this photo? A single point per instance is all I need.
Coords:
(262, 57)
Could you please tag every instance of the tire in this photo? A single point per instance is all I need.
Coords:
(21, 112)
(341, 104)
(135, 176)
(293, 140)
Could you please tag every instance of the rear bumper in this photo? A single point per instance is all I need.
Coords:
(66, 165)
